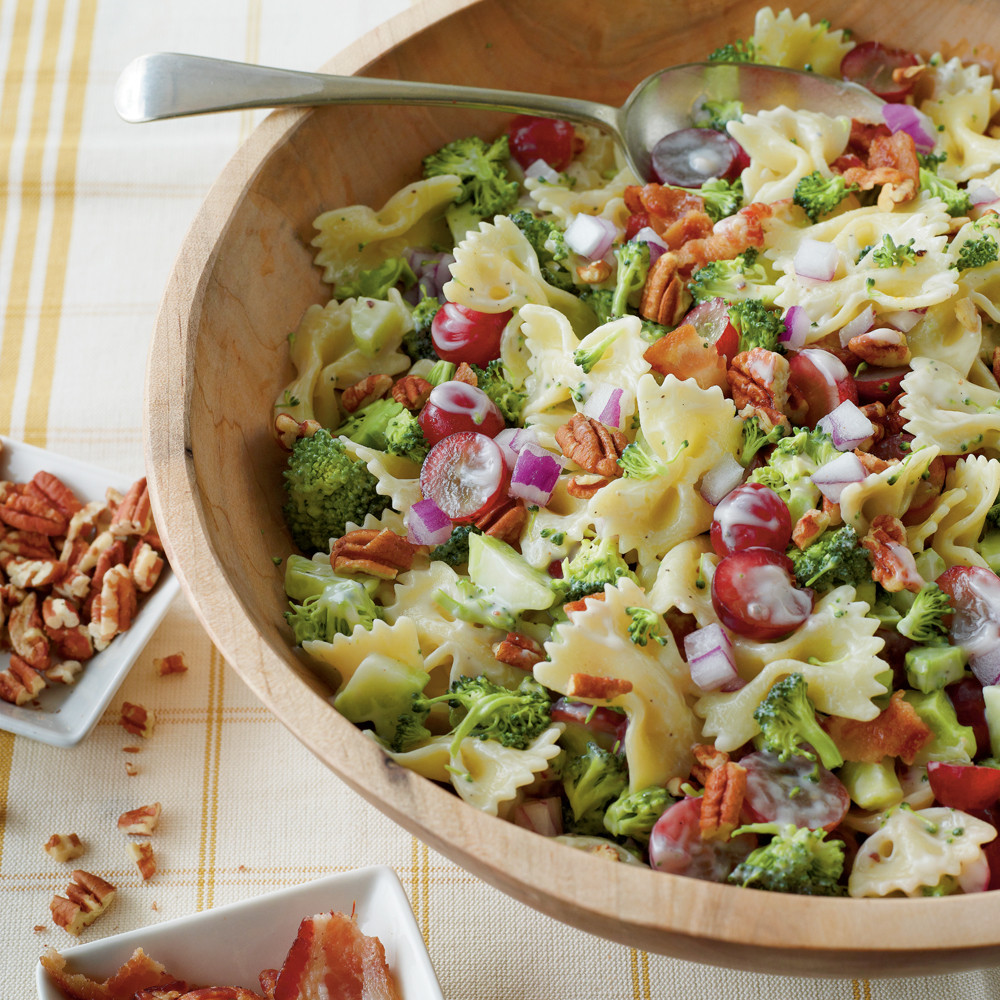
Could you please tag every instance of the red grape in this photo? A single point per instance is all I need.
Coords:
(822, 380)
(751, 516)
(964, 786)
(462, 334)
(870, 64)
(547, 139)
(676, 845)
(796, 790)
(457, 406)
(691, 156)
(464, 475)
(711, 319)
(754, 594)
(975, 596)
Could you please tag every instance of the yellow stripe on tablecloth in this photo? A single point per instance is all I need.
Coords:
(37, 417)
(27, 233)
(11, 99)
(6, 765)
(210, 784)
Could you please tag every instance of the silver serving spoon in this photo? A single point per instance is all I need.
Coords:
(171, 84)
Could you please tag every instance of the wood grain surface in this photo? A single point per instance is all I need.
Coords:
(242, 280)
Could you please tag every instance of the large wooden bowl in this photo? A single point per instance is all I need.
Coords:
(242, 281)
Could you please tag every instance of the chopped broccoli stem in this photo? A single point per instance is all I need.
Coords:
(376, 282)
(587, 357)
(787, 719)
(633, 267)
(956, 200)
(443, 371)
(754, 439)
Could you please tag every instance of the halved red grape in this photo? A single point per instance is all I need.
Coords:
(676, 845)
(462, 334)
(754, 594)
(871, 65)
(796, 790)
(691, 156)
(548, 139)
(464, 475)
(751, 516)
(966, 696)
(879, 385)
(712, 321)
(820, 379)
(964, 786)
(975, 596)
(597, 718)
(457, 406)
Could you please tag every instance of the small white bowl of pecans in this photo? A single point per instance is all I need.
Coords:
(83, 585)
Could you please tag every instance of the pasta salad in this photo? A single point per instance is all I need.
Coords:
(662, 517)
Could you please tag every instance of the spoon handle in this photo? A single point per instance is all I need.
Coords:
(171, 84)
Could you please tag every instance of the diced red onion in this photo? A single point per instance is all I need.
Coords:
(709, 653)
(512, 439)
(721, 479)
(903, 319)
(605, 404)
(797, 326)
(540, 170)
(981, 194)
(590, 236)
(985, 666)
(432, 269)
(816, 259)
(542, 816)
(906, 118)
(535, 474)
(847, 425)
(652, 238)
(427, 524)
(831, 479)
(861, 323)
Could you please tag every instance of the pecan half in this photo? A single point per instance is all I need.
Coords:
(26, 544)
(722, 801)
(759, 382)
(882, 347)
(366, 550)
(133, 516)
(20, 682)
(592, 445)
(892, 561)
(412, 391)
(370, 388)
(519, 650)
(145, 567)
(54, 492)
(26, 632)
(663, 295)
(31, 513)
(114, 609)
(599, 688)
(706, 759)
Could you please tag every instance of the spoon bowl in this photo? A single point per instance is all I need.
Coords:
(171, 85)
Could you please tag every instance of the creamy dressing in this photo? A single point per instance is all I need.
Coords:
(772, 598)
(828, 365)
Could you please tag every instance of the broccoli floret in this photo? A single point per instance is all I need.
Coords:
(978, 252)
(481, 709)
(717, 114)
(721, 197)
(757, 325)
(787, 719)
(404, 436)
(754, 438)
(739, 51)
(791, 463)
(591, 781)
(376, 282)
(924, 623)
(744, 277)
(889, 253)
(587, 357)
(482, 168)
(955, 199)
(495, 384)
(596, 562)
(326, 488)
(417, 343)
(836, 557)
(342, 604)
(634, 814)
(644, 625)
(455, 551)
(820, 195)
(549, 244)
(633, 267)
(796, 859)
(640, 461)
(442, 371)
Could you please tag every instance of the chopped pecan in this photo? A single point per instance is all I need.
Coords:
(598, 688)
(412, 391)
(113, 610)
(137, 719)
(897, 731)
(663, 296)
(759, 382)
(367, 550)
(288, 430)
(130, 769)
(30, 513)
(585, 487)
(595, 272)
(142, 820)
(881, 347)
(26, 544)
(875, 412)
(70, 643)
(145, 567)
(64, 846)
(370, 388)
(706, 759)
(722, 801)
(87, 897)
(684, 353)
(89, 521)
(892, 561)
(809, 527)
(133, 516)
(895, 422)
(20, 682)
(519, 650)
(505, 520)
(832, 511)
(58, 612)
(172, 664)
(26, 632)
(65, 672)
(142, 855)
(592, 445)
(464, 373)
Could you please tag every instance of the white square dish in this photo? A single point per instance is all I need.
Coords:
(230, 945)
(63, 715)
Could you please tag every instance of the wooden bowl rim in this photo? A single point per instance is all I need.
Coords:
(708, 922)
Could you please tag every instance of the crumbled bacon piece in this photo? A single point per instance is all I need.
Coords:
(897, 731)
(685, 354)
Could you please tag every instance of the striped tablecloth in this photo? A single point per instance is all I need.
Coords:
(92, 212)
